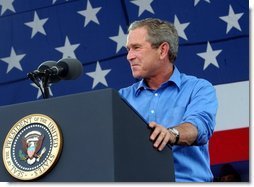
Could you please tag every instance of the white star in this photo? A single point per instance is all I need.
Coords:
(232, 19)
(180, 27)
(39, 94)
(143, 5)
(90, 14)
(99, 75)
(6, 5)
(37, 25)
(13, 60)
(210, 56)
(197, 1)
(120, 39)
(68, 49)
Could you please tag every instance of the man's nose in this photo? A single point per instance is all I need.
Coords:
(130, 55)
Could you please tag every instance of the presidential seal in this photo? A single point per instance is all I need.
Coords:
(32, 147)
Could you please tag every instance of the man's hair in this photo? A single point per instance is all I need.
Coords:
(159, 31)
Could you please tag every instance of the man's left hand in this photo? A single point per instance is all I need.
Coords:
(160, 136)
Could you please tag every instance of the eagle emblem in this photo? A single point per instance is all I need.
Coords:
(31, 145)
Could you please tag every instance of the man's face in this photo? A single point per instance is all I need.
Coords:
(143, 59)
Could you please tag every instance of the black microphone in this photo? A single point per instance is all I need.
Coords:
(46, 65)
(66, 69)
(51, 72)
(39, 73)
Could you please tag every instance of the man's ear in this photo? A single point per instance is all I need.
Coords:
(164, 48)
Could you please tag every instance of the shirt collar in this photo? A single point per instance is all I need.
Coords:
(141, 86)
(174, 78)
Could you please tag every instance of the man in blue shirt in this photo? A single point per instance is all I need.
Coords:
(180, 109)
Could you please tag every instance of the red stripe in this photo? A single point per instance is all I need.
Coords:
(229, 146)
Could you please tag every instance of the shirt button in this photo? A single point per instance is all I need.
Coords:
(156, 94)
(152, 111)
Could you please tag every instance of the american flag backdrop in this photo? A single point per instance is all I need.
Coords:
(214, 44)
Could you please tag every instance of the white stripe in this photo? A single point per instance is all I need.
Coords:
(233, 110)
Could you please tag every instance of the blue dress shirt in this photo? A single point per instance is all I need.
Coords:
(179, 100)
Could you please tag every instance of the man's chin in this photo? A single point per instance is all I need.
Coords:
(137, 76)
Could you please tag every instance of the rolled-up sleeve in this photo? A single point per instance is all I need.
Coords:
(201, 111)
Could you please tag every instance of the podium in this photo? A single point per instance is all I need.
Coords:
(104, 140)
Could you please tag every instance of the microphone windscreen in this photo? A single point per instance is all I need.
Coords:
(72, 68)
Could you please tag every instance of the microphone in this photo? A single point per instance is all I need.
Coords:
(52, 72)
(46, 65)
(66, 69)
(40, 72)
(42, 68)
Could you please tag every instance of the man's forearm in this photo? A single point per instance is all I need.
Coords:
(188, 134)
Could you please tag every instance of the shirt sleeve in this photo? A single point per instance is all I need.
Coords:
(201, 111)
